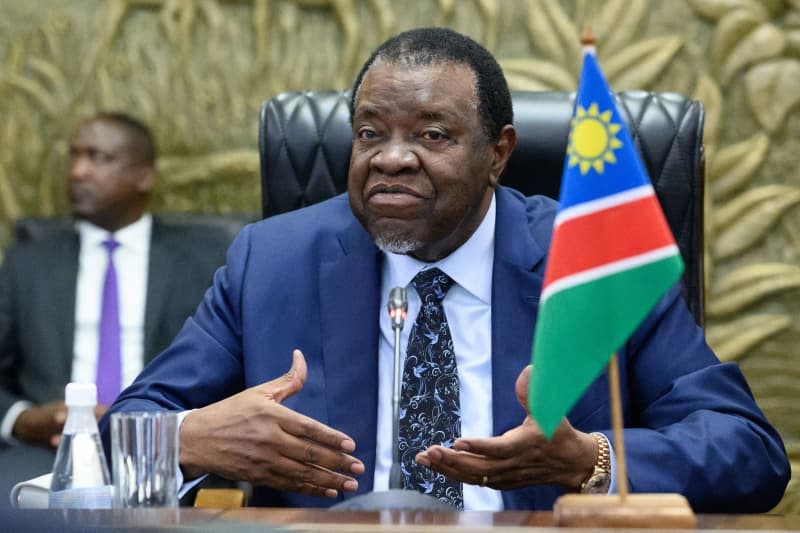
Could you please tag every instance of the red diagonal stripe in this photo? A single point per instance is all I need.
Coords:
(605, 236)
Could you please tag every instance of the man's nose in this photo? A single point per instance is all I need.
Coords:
(395, 158)
(80, 167)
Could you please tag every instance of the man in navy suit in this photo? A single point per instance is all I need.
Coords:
(432, 132)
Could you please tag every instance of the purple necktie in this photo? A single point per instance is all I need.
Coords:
(109, 372)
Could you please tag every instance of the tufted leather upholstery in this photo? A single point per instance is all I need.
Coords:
(30, 228)
(305, 140)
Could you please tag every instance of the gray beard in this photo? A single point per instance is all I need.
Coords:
(396, 245)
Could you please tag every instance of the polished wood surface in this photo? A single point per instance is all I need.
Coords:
(517, 521)
(644, 511)
(259, 519)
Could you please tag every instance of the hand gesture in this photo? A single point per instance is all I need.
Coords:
(521, 456)
(252, 437)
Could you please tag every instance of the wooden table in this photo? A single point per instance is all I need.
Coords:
(264, 519)
(466, 521)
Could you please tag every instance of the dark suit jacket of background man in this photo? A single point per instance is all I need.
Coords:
(310, 279)
(37, 303)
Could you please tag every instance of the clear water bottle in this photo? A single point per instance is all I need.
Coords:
(80, 473)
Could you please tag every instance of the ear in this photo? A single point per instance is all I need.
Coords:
(501, 151)
(146, 179)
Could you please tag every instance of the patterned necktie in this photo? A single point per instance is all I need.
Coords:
(429, 400)
(109, 372)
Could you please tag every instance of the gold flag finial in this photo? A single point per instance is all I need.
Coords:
(587, 37)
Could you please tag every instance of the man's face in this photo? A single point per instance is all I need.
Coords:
(422, 172)
(108, 183)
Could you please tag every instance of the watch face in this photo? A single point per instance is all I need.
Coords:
(599, 483)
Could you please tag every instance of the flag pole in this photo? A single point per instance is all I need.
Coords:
(617, 427)
(662, 510)
(588, 42)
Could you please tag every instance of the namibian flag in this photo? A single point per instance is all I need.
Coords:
(611, 259)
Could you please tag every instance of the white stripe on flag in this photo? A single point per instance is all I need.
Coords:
(605, 202)
(608, 269)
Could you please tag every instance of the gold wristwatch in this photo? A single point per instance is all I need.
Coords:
(599, 480)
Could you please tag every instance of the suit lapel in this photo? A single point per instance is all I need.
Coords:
(158, 276)
(64, 283)
(515, 296)
(349, 300)
(516, 285)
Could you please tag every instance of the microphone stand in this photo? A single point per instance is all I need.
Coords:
(397, 497)
(398, 309)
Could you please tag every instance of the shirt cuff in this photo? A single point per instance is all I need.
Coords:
(7, 426)
(189, 485)
(612, 489)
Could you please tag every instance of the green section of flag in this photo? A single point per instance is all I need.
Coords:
(579, 328)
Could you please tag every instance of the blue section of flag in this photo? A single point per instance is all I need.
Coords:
(626, 172)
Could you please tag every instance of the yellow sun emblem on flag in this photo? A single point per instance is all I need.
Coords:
(592, 139)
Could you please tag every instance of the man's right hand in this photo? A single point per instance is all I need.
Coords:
(252, 437)
(41, 425)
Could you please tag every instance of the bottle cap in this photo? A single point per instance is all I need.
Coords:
(80, 394)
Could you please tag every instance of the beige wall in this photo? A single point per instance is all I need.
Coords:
(197, 71)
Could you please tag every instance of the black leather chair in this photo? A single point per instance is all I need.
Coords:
(305, 141)
(30, 228)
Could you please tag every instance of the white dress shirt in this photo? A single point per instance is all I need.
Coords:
(131, 260)
(469, 315)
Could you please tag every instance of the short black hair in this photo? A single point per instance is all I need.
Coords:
(138, 133)
(426, 46)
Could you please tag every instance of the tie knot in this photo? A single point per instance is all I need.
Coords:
(110, 244)
(432, 283)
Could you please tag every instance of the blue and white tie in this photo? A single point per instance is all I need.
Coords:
(430, 410)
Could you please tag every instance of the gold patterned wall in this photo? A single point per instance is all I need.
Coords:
(197, 71)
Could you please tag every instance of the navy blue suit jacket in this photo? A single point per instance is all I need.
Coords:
(309, 279)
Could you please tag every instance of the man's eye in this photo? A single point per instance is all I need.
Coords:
(102, 157)
(433, 135)
(366, 135)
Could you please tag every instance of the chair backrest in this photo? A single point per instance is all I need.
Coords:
(31, 228)
(305, 141)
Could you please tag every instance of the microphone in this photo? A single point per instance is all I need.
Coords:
(398, 308)
(396, 498)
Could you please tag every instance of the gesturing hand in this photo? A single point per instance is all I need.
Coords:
(252, 437)
(521, 456)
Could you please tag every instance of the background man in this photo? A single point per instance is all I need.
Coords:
(432, 131)
(51, 290)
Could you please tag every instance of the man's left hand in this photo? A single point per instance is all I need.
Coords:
(520, 457)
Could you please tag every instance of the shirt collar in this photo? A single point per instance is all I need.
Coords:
(470, 265)
(133, 236)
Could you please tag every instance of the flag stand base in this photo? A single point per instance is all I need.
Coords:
(663, 511)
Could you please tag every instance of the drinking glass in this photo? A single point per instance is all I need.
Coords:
(144, 455)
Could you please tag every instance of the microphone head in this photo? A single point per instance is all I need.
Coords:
(398, 307)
